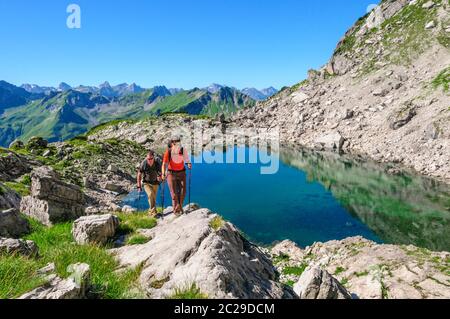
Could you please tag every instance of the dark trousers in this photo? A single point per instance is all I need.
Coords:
(177, 186)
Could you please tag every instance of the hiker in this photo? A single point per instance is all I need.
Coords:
(173, 168)
(150, 174)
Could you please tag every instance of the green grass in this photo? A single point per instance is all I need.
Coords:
(130, 223)
(339, 270)
(137, 239)
(296, 271)
(281, 258)
(290, 283)
(362, 274)
(344, 282)
(216, 223)
(299, 85)
(189, 292)
(56, 245)
(443, 79)
(20, 188)
(18, 275)
(103, 126)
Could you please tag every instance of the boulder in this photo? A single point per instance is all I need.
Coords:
(36, 142)
(128, 209)
(113, 169)
(219, 260)
(95, 229)
(191, 208)
(402, 118)
(113, 187)
(12, 246)
(12, 225)
(333, 142)
(288, 248)
(74, 287)
(316, 283)
(430, 25)
(428, 5)
(8, 198)
(13, 166)
(16, 145)
(299, 97)
(52, 200)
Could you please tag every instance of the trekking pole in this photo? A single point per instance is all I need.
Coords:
(190, 178)
(162, 199)
(138, 206)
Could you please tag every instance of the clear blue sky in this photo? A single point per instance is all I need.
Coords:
(178, 43)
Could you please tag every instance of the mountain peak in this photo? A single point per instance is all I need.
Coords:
(64, 86)
(260, 95)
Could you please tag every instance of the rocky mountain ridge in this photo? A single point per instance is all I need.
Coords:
(384, 93)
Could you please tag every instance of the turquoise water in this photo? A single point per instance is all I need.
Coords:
(314, 197)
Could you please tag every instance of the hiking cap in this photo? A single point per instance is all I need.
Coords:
(176, 138)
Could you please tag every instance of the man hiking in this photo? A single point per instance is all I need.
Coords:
(149, 173)
(174, 161)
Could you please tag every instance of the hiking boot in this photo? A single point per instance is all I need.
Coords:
(153, 213)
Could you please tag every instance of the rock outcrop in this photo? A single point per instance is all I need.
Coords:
(18, 246)
(13, 165)
(95, 229)
(74, 287)
(8, 198)
(374, 271)
(380, 91)
(316, 283)
(12, 225)
(201, 249)
(331, 142)
(52, 200)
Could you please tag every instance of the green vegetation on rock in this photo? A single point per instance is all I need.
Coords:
(295, 270)
(137, 239)
(18, 274)
(442, 80)
(217, 223)
(189, 292)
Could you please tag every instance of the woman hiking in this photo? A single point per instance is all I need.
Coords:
(150, 174)
(173, 168)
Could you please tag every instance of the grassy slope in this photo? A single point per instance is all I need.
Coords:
(55, 120)
(18, 274)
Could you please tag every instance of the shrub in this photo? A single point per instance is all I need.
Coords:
(216, 223)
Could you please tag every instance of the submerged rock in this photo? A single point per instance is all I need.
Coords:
(201, 249)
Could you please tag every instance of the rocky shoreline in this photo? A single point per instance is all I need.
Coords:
(201, 254)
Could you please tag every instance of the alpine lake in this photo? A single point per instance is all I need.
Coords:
(317, 197)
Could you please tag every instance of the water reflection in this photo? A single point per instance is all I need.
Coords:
(401, 208)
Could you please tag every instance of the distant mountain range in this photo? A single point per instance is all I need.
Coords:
(260, 95)
(64, 112)
(123, 89)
